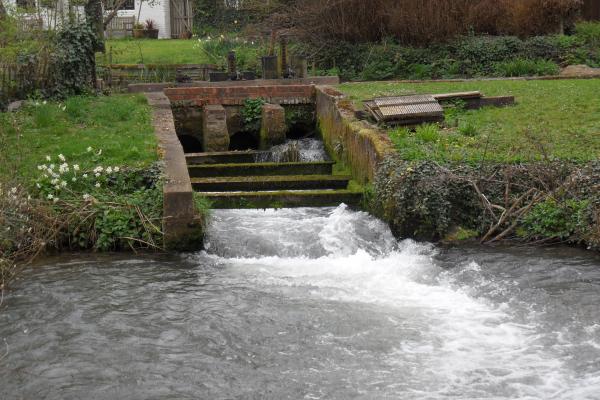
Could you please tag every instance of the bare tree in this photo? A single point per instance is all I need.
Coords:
(2, 10)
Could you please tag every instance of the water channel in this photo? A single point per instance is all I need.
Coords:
(306, 304)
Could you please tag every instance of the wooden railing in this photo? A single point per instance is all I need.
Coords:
(17, 81)
(120, 75)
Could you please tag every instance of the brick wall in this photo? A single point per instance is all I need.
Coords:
(235, 95)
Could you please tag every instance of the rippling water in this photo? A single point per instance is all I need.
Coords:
(306, 304)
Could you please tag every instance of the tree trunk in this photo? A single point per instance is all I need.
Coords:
(93, 14)
(2, 11)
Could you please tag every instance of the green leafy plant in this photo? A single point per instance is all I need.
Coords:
(552, 219)
(252, 114)
(525, 67)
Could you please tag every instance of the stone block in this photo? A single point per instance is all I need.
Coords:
(215, 136)
(273, 128)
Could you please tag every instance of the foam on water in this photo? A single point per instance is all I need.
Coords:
(465, 345)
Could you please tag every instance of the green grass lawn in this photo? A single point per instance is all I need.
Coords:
(552, 119)
(148, 51)
(119, 125)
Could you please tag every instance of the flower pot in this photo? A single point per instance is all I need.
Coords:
(218, 76)
(300, 66)
(138, 33)
(248, 75)
(185, 35)
(151, 33)
(269, 67)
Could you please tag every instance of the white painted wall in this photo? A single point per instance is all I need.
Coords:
(159, 12)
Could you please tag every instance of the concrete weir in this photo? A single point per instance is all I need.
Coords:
(182, 226)
(211, 165)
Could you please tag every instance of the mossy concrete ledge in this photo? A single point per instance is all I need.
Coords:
(356, 144)
(182, 225)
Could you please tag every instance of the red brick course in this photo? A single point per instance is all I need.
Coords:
(235, 95)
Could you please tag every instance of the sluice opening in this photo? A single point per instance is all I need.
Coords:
(243, 141)
(190, 144)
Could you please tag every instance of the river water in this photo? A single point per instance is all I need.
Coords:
(306, 304)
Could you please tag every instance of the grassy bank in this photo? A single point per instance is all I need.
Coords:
(528, 172)
(118, 125)
(551, 120)
(140, 51)
(78, 174)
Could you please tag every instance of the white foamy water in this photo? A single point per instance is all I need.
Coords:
(306, 304)
(451, 342)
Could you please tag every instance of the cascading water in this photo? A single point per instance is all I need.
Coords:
(313, 304)
(303, 150)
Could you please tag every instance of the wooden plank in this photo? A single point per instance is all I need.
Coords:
(457, 96)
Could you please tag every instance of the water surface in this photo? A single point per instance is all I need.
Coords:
(306, 304)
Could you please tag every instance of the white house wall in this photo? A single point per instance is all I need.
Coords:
(159, 12)
(51, 18)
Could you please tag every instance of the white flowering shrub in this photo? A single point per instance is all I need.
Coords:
(60, 179)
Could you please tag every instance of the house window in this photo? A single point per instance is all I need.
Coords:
(26, 3)
(110, 4)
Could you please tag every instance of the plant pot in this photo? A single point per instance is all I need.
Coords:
(138, 34)
(218, 76)
(185, 35)
(248, 75)
(151, 33)
(269, 67)
(300, 66)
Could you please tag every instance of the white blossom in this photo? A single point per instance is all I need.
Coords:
(109, 170)
(61, 157)
(116, 169)
(97, 174)
(89, 149)
(74, 179)
(76, 167)
(97, 184)
(13, 190)
(85, 175)
(48, 158)
(86, 196)
(50, 196)
(63, 184)
(55, 199)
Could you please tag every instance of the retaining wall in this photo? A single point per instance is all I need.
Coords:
(182, 226)
(360, 146)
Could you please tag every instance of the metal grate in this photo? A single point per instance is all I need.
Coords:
(404, 108)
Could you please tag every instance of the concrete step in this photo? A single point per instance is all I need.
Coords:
(261, 183)
(225, 157)
(284, 199)
(260, 169)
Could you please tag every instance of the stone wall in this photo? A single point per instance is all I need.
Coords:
(359, 145)
(235, 95)
(182, 226)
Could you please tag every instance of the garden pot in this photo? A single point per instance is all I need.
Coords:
(185, 35)
(300, 66)
(138, 34)
(218, 76)
(151, 33)
(248, 75)
(269, 67)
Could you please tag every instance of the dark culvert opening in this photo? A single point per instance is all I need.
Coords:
(190, 144)
(243, 141)
(301, 131)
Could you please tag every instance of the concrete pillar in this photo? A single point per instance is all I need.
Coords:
(215, 136)
(273, 127)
